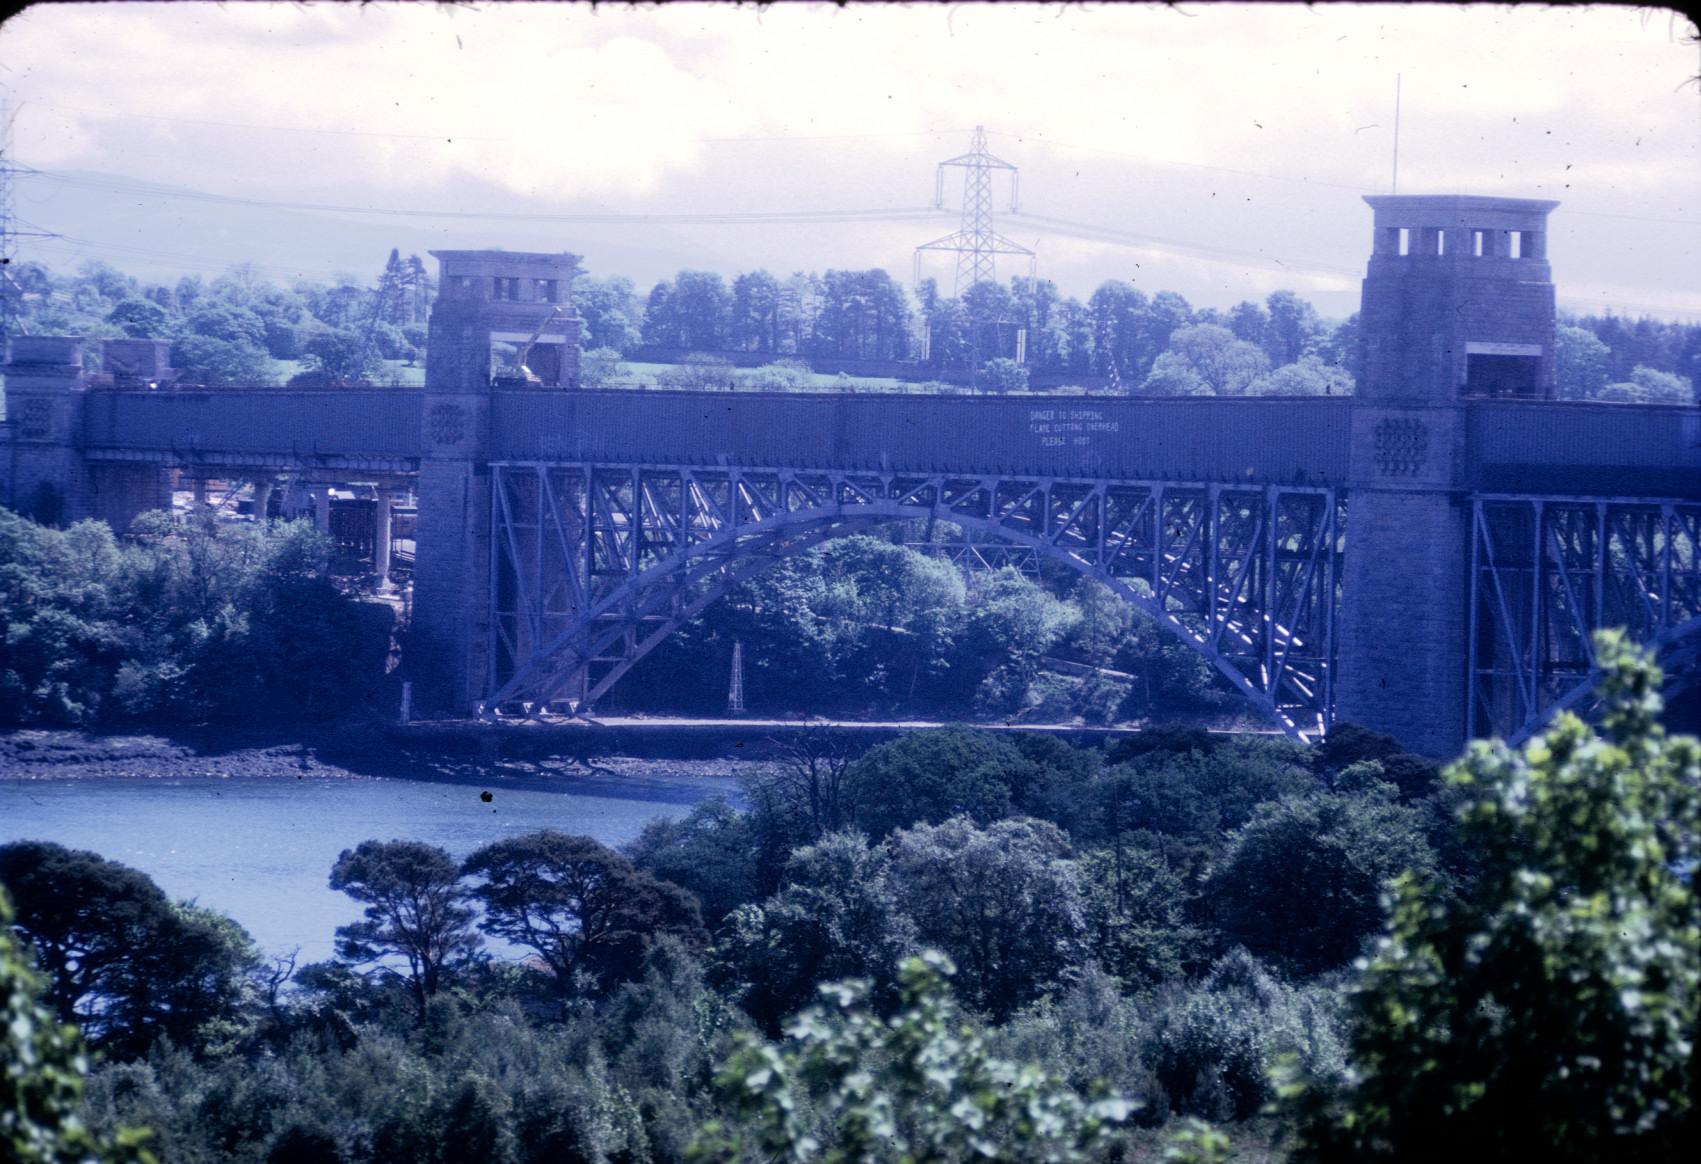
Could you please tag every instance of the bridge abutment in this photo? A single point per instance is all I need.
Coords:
(486, 298)
(1404, 616)
(47, 473)
(46, 478)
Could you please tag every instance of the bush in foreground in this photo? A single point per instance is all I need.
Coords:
(1550, 1010)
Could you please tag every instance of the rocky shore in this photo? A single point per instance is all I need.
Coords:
(57, 755)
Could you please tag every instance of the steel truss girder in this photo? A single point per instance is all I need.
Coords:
(593, 565)
(1549, 570)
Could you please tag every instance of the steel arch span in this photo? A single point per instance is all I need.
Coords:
(1549, 570)
(594, 565)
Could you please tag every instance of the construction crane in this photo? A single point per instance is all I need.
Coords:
(520, 375)
(388, 295)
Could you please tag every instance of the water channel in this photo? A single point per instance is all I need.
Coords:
(260, 848)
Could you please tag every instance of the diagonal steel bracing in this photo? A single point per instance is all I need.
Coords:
(1547, 571)
(594, 565)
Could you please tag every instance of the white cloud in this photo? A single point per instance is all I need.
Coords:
(565, 106)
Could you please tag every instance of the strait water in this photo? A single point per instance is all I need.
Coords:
(260, 849)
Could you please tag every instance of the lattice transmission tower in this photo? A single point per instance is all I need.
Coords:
(976, 244)
(11, 291)
(10, 307)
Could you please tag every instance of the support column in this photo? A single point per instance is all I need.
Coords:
(1404, 612)
(322, 508)
(198, 510)
(381, 538)
(265, 488)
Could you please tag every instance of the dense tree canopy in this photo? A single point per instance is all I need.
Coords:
(1003, 902)
(578, 905)
(848, 1086)
(415, 910)
(239, 328)
(1301, 882)
(42, 1070)
(835, 916)
(1552, 1007)
(177, 623)
(122, 960)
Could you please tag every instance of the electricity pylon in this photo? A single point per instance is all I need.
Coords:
(976, 244)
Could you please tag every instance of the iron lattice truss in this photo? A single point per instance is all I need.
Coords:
(1546, 572)
(594, 565)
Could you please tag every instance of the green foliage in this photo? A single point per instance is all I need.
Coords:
(610, 311)
(122, 961)
(578, 905)
(599, 367)
(205, 359)
(697, 370)
(140, 318)
(1091, 1035)
(1011, 622)
(415, 910)
(1003, 901)
(1309, 376)
(341, 355)
(864, 626)
(1003, 375)
(929, 777)
(1136, 915)
(42, 1069)
(848, 1086)
(176, 624)
(1582, 363)
(1206, 360)
(1649, 386)
(710, 851)
(1301, 882)
(1197, 1142)
(1190, 795)
(1551, 1008)
(790, 375)
(1348, 743)
(857, 621)
(1214, 1048)
(835, 916)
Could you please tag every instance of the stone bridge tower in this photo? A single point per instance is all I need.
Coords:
(45, 474)
(1458, 303)
(502, 320)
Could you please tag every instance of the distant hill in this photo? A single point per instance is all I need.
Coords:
(155, 230)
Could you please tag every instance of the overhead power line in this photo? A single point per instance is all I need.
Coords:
(450, 136)
(1093, 232)
(1300, 179)
(764, 217)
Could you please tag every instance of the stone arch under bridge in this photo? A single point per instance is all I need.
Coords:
(595, 565)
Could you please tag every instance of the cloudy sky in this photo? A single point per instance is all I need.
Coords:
(1217, 150)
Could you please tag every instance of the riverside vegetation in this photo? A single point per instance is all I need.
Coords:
(244, 623)
(952, 946)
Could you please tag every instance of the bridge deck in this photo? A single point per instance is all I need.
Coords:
(1598, 450)
(352, 428)
(1218, 440)
(1533, 447)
